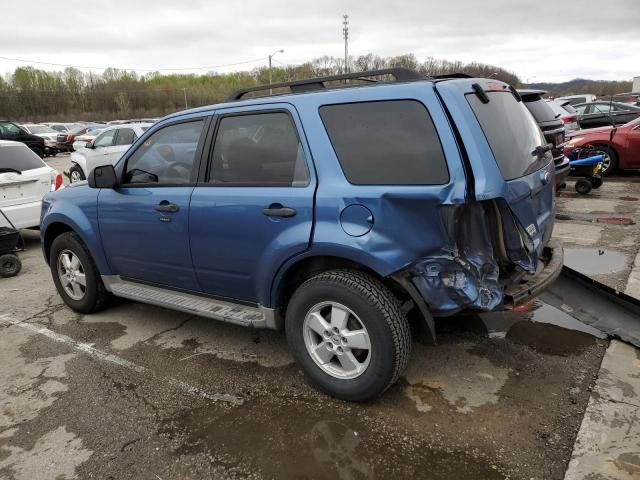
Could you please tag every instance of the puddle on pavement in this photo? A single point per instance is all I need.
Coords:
(538, 325)
(311, 441)
(594, 261)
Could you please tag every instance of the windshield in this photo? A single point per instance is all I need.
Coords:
(512, 133)
(40, 129)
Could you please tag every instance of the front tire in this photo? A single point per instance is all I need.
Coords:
(76, 276)
(610, 161)
(347, 332)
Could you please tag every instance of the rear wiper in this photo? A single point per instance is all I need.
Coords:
(541, 150)
(10, 170)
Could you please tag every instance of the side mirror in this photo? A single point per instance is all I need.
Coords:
(103, 176)
(89, 145)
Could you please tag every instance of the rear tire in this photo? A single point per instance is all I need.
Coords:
(596, 182)
(367, 329)
(71, 265)
(10, 265)
(76, 174)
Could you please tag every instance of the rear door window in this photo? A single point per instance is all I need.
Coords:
(259, 149)
(386, 143)
(541, 110)
(18, 157)
(126, 136)
(512, 133)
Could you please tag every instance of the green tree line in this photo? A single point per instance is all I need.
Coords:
(33, 95)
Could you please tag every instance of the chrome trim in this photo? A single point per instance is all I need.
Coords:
(226, 311)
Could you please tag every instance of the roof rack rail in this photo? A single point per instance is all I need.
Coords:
(299, 86)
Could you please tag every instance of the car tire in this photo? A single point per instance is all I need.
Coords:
(365, 333)
(38, 151)
(76, 174)
(610, 163)
(71, 264)
(10, 265)
(596, 182)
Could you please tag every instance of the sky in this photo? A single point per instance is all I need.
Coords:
(539, 40)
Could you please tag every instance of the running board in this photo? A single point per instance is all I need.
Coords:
(247, 316)
(595, 304)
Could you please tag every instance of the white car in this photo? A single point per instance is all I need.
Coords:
(107, 148)
(83, 140)
(24, 180)
(45, 132)
(576, 99)
(61, 127)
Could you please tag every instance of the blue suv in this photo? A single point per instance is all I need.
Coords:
(349, 210)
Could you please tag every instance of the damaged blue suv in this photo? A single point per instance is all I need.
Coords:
(348, 210)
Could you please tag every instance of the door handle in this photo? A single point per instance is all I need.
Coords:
(278, 210)
(167, 207)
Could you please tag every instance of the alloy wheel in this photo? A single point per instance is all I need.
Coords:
(337, 340)
(72, 275)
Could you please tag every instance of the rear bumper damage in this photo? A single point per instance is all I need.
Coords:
(449, 286)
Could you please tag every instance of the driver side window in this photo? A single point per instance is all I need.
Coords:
(7, 128)
(167, 156)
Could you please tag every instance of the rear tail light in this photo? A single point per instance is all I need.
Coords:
(569, 119)
(56, 180)
(69, 138)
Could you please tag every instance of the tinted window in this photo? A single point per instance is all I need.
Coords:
(167, 156)
(574, 101)
(7, 128)
(105, 139)
(540, 110)
(18, 157)
(258, 149)
(126, 136)
(512, 134)
(386, 143)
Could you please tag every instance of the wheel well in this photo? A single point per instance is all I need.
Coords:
(308, 267)
(607, 146)
(54, 230)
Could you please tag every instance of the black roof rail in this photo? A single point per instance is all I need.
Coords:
(450, 75)
(311, 84)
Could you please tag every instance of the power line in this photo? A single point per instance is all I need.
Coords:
(86, 67)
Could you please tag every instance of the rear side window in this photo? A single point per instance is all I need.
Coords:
(386, 143)
(126, 136)
(512, 133)
(18, 157)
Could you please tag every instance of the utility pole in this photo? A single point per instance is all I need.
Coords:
(345, 35)
(186, 106)
(270, 74)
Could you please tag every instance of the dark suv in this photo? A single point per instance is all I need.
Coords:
(340, 214)
(12, 131)
(552, 127)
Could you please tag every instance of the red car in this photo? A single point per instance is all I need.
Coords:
(620, 146)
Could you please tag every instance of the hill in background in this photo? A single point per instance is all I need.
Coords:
(583, 85)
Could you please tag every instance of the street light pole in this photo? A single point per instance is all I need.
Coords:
(270, 69)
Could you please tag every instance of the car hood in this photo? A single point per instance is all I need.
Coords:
(47, 136)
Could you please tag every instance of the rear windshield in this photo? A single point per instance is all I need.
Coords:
(512, 133)
(386, 143)
(541, 110)
(18, 157)
(561, 109)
